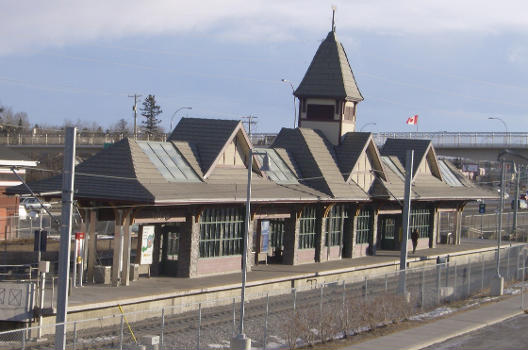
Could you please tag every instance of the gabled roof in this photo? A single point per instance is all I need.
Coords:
(316, 161)
(209, 136)
(350, 149)
(329, 74)
(423, 151)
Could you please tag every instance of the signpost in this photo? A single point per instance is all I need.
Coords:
(79, 258)
(147, 245)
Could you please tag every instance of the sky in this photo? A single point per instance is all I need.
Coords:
(454, 63)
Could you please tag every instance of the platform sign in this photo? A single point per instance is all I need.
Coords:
(79, 247)
(264, 234)
(147, 245)
(482, 208)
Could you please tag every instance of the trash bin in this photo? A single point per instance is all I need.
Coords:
(103, 274)
(134, 272)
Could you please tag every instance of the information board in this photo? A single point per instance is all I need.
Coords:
(147, 245)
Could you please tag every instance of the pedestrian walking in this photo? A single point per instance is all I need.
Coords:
(414, 239)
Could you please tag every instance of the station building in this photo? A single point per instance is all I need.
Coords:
(320, 192)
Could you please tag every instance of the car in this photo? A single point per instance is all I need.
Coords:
(32, 203)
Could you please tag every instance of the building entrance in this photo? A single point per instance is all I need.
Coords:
(169, 248)
(388, 226)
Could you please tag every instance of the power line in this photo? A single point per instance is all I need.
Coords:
(134, 108)
(249, 121)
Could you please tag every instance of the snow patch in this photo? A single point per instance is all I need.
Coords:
(438, 312)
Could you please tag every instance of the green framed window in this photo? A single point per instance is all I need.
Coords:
(364, 226)
(307, 231)
(277, 233)
(421, 220)
(334, 225)
(221, 232)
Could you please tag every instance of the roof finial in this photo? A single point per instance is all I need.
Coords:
(333, 17)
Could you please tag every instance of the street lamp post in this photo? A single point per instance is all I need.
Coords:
(240, 341)
(498, 286)
(505, 127)
(294, 106)
(365, 125)
(174, 114)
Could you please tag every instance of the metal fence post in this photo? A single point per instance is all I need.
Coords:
(469, 280)
(199, 325)
(294, 300)
(23, 338)
(522, 297)
(345, 308)
(266, 322)
(321, 312)
(74, 346)
(524, 266)
(438, 279)
(455, 284)
(344, 294)
(447, 274)
(366, 287)
(234, 317)
(422, 292)
(482, 275)
(162, 327)
(121, 333)
(508, 264)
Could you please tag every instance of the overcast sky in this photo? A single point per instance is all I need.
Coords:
(454, 63)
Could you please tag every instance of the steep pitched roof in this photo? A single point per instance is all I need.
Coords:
(329, 74)
(423, 150)
(209, 136)
(315, 158)
(351, 147)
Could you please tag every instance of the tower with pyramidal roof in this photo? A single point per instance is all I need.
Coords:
(328, 94)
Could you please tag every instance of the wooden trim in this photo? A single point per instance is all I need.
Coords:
(327, 209)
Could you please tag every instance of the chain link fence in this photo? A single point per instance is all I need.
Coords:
(485, 226)
(310, 313)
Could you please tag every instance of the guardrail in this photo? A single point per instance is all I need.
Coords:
(440, 139)
(82, 138)
(466, 139)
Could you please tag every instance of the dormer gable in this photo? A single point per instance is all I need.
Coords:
(423, 152)
(359, 159)
(235, 153)
(428, 165)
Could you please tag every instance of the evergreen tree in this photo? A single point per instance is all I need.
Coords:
(150, 111)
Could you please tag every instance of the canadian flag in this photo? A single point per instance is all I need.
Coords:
(412, 120)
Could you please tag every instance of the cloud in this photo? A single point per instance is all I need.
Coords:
(32, 25)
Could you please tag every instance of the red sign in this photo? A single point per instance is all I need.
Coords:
(79, 235)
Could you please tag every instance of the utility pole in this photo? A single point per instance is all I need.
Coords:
(65, 240)
(134, 108)
(250, 121)
(409, 159)
(518, 173)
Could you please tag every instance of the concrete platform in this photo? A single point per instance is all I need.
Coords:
(92, 297)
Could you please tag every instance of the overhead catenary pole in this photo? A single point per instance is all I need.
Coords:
(134, 108)
(518, 173)
(65, 240)
(409, 159)
(501, 210)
